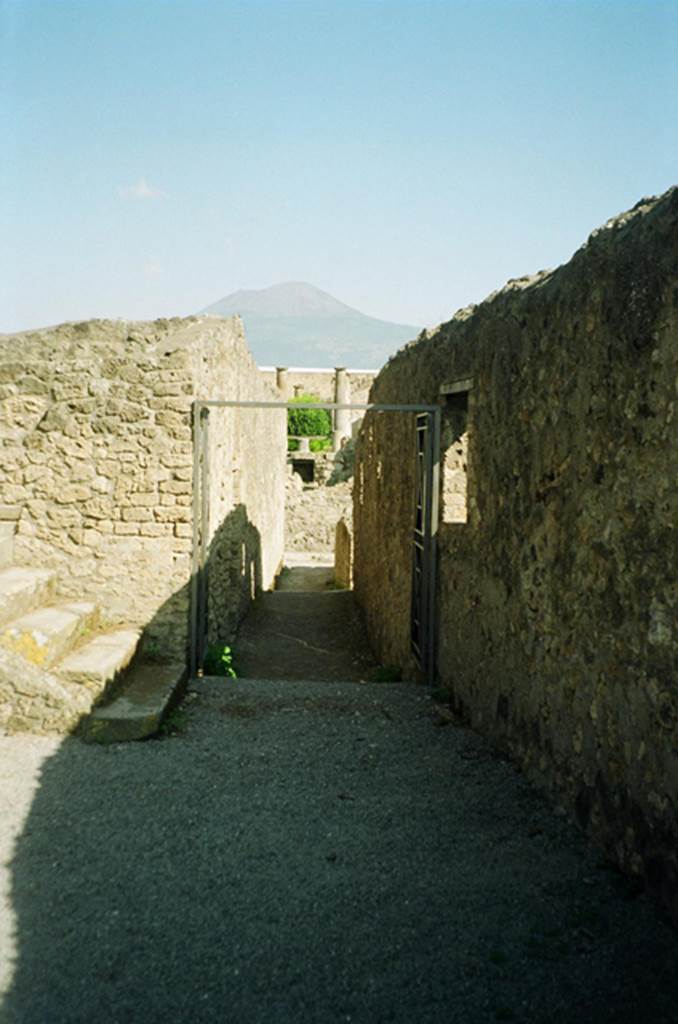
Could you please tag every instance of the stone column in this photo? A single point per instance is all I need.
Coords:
(342, 417)
(282, 382)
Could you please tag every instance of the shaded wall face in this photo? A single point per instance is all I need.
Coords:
(95, 427)
(557, 595)
(248, 467)
(383, 519)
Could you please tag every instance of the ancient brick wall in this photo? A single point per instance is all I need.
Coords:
(558, 547)
(95, 428)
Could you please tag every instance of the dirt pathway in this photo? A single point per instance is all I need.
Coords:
(305, 629)
(309, 853)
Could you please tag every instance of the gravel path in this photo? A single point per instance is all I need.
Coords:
(310, 852)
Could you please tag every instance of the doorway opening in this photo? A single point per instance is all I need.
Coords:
(204, 578)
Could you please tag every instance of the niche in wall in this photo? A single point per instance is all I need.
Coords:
(454, 450)
(305, 468)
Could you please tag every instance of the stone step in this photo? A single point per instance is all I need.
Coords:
(148, 692)
(99, 663)
(22, 589)
(43, 636)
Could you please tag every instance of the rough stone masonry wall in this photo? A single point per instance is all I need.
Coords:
(558, 596)
(312, 513)
(95, 429)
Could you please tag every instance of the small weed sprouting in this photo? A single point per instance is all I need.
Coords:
(153, 649)
(219, 662)
(173, 723)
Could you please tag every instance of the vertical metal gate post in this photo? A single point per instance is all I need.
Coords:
(195, 553)
(433, 518)
(424, 541)
(203, 609)
(420, 593)
(198, 613)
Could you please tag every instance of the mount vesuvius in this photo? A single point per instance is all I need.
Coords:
(296, 324)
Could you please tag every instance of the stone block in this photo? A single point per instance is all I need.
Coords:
(42, 636)
(22, 589)
(175, 486)
(10, 513)
(155, 529)
(176, 424)
(137, 515)
(139, 710)
(97, 664)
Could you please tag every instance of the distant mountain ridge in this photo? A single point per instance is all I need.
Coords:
(297, 324)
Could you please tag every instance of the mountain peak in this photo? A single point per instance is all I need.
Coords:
(291, 298)
(297, 324)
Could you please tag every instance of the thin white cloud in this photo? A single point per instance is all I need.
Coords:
(141, 190)
(152, 270)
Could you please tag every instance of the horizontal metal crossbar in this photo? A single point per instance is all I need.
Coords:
(374, 407)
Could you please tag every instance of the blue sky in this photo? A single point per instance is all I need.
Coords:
(407, 156)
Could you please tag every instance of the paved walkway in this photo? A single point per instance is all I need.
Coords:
(305, 629)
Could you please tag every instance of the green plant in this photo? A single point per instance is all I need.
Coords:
(308, 422)
(316, 444)
(152, 649)
(173, 723)
(219, 661)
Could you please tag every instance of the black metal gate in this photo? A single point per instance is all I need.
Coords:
(424, 537)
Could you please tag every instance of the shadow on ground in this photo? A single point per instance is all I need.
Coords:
(312, 852)
(305, 629)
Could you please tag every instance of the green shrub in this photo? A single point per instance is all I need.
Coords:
(317, 444)
(219, 661)
(308, 422)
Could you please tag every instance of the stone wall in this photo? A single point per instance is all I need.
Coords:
(95, 429)
(343, 555)
(247, 455)
(312, 512)
(558, 547)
